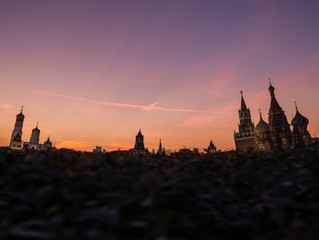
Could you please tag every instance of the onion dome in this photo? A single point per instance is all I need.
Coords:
(262, 126)
(271, 89)
(36, 129)
(20, 116)
(299, 120)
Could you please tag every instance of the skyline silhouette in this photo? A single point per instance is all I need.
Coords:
(92, 73)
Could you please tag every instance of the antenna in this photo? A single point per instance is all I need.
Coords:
(259, 110)
(269, 81)
(22, 108)
(241, 92)
(37, 124)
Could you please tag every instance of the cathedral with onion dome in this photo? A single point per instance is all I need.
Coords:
(276, 134)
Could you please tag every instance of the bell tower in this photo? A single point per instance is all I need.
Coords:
(139, 141)
(16, 137)
(35, 135)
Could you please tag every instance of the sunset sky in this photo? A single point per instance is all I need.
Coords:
(92, 73)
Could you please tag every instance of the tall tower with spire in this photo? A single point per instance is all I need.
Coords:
(281, 133)
(16, 137)
(160, 150)
(139, 144)
(139, 141)
(245, 137)
(35, 136)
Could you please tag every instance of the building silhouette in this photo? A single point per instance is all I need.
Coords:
(211, 148)
(139, 147)
(16, 142)
(160, 150)
(245, 137)
(16, 137)
(263, 135)
(300, 134)
(35, 135)
(275, 135)
(280, 129)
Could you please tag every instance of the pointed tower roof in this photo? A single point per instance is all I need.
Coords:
(299, 120)
(48, 140)
(211, 145)
(274, 105)
(262, 126)
(243, 106)
(160, 148)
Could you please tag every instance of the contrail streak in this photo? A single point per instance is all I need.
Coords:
(114, 104)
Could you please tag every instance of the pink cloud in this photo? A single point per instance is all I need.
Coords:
(315, 56)
(221, 115)
(221, 83)
(7, 107)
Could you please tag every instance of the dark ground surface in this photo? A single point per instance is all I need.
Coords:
(63, 195)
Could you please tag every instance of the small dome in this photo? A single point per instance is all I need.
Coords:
(262, 126)
(299, 120)
(20, 116)
(36, 129)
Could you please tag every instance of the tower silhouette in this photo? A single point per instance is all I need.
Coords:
(16, 137)
(245, 138)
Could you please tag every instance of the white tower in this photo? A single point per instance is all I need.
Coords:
(16, 137)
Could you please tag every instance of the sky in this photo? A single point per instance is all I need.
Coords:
(93, 73)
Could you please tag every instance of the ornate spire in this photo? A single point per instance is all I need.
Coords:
(271, 88)
(160, 148)
(296, 106)
(243, 106)
(274, 105)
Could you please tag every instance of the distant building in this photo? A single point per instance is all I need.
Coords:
(97, 149)
(16, 137)
(211, 148)
(47, 144)
(34, 143)
(139, 147)
(161, 150)
(16, 142)
(245, 137)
